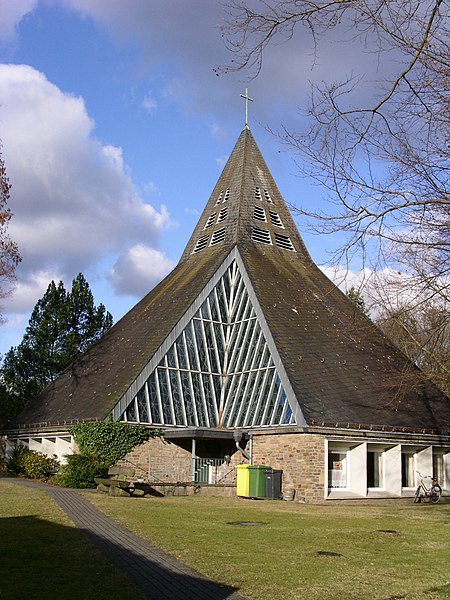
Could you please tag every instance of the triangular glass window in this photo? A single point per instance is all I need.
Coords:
(218, 372)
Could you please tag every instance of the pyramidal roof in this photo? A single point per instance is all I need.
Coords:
(245, 332)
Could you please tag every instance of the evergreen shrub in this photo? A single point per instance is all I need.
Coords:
(32, 464)
(80, 471)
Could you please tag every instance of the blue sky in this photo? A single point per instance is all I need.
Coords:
(115, 128)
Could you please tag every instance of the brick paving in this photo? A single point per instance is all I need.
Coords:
(158, 575)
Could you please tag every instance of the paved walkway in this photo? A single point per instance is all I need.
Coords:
(158, 575)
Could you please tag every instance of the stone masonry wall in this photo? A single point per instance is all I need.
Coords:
(160, 461)
(301, 457)
(163, 461)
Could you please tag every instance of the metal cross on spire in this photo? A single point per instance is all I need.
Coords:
(247, 99)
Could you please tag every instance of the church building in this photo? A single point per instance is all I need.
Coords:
(247, 353)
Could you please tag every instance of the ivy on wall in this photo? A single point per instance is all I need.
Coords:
(110, 441)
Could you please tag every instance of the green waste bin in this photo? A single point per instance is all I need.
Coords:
(257, 481)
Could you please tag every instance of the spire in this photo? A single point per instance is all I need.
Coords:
(246, 209)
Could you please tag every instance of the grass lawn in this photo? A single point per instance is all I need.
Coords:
(43, 556)
(388, 552)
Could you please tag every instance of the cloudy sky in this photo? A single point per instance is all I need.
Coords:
(115, 128)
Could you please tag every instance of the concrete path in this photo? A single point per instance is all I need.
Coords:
(158, 575)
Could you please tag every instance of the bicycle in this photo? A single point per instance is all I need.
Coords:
(430, 494)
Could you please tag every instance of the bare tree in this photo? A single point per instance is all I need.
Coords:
(9, 252)
(424, 336)
(385, 163)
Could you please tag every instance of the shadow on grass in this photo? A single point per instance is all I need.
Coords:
(41, 559)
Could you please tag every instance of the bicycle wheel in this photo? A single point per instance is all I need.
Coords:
(418, 497)
(435, 494)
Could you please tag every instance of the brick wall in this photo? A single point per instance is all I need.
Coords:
(301, 457)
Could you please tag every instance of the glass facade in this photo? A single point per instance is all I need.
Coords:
(219, 371)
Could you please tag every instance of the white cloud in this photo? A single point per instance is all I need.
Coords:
(149, 104)
(28, 290)
(218, 131)
(12, 12)
(222, 160)
(345, 279)
(384, 289)
(192, 211)
(167, 32)
(138, 270)
(72, 198)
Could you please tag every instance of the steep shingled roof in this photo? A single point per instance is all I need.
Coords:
(340, 367)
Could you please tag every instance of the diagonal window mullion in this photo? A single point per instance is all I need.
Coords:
(189, 336)
(242, 308)
(215, 348)
(229, 397)
(243, 378)
(260, 397)
(244, 404)
(248, 311)
(214, 396)
(268, 397)
(215, 299)
(245, 342)
(285, 407)
(201, 390)
(276, 405)
(238, 298)
(180, 387)
(250, 352)
(226, 301)
(181, 395)
(170, 396)
(232, 292)
(249, 395)
(233, 332)
(147, 401)
(253, 400)
(188, 378)
(238, 345)
(158, 395)
(208, 387)
(205, 344)
(259, 351)
(210, 347)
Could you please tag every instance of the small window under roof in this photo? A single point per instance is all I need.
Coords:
(267, 197)
(222, 215)
(201, 243)
(275, 219)
(210, 220)
(219, 199)
(258, 193)
(261, 235)
(283, 241)
(227, 194)
(218, 236)
(259, 213)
